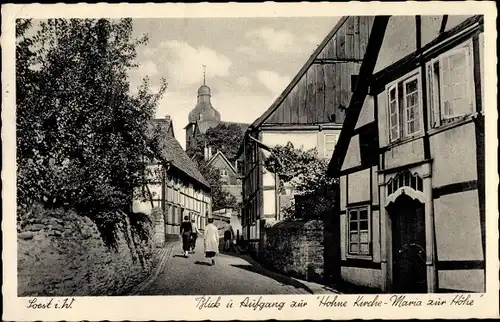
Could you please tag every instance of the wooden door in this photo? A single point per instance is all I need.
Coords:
(408, 246)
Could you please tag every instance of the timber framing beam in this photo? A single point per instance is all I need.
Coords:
(443, 24)
(326, 61)
(365, 73)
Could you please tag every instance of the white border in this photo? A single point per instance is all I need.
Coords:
(183, 307)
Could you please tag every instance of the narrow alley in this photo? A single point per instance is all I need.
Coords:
(230, 275)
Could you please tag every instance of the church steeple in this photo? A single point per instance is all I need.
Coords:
(204, 76)
(204, 109)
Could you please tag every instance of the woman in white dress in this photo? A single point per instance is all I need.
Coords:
(211, 240)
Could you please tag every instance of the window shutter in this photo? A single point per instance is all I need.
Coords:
(469, 65)
(456, 83)
(393, 112)
(433, 96)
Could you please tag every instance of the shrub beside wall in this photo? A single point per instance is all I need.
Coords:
(62, 254)
(294, 248)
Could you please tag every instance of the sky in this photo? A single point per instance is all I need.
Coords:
(249, 61)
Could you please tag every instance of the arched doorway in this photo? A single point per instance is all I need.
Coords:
(409, 270)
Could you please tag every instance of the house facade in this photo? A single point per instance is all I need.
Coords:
(228, 172)
(309, 114)
(410, 159)
(174, 188)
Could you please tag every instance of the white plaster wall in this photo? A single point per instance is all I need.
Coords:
(458, 230)
(430, 28)
(454, 154)
(268, 178)
(343, 192)
(269, 202)
(376, 235)
(352, 158)
(362, 276)
(409, 152)
(399, 41)
(343, 238)
(467, 280)
(144, 207)
(367, 114)
(305, 139)
(359, 186)
(375, 198)
(155, 190)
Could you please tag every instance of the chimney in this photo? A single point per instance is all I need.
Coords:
(209, 152)
(205, 153)
(167, 118)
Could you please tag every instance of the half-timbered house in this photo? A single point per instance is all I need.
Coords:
(309, 114)
(174, 188)
(410, 159)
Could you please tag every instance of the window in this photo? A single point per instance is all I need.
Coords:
(330, 142)
(451, 85)
(223, 173)
(393, 113)
(404, 108)
(411, 106)
(359, 232)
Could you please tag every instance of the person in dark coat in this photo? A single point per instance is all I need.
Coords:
(186, 229)
(194, 234)
(227, 239)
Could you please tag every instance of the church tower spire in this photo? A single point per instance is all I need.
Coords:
(204, 74)
(204, 111)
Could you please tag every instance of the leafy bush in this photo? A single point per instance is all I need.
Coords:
(306, 173)
(81, 133)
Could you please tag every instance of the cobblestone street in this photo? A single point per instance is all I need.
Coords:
(231, 275)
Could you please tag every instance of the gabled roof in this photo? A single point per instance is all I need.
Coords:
(179, 159)
(299, 75)
(172, 152)
(221, 155)
(166, 124)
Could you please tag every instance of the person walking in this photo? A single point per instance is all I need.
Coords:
(186, 229)
(194, 234)
(227, 239)
(211, 240)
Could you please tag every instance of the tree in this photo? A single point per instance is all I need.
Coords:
(303, 170)
(220, 197)
(81, 140)
(223, 137)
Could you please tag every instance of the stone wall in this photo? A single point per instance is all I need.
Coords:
(294, 248)
(63, 254)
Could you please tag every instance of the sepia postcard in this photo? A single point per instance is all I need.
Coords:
(237, 161)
